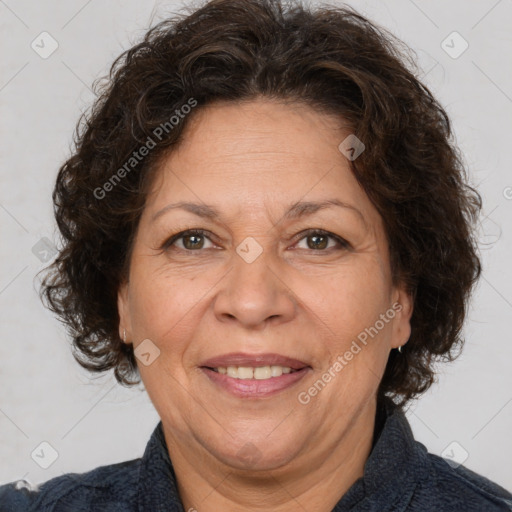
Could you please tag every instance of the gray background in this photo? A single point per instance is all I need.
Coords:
(46, 396)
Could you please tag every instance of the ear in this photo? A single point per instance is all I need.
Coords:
(403, 305)
(124, 312)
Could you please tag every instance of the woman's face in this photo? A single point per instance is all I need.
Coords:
(315, 312)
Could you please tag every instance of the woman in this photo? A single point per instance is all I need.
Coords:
(255, 222)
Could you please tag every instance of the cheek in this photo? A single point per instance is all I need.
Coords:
(354, 346)
(348, 301)
(159, 302)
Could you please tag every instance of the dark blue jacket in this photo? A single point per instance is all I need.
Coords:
(399, 475)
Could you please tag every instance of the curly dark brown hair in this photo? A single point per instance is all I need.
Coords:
(330, 58)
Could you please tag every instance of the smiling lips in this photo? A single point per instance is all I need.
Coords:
(248, 372)
(258, 375)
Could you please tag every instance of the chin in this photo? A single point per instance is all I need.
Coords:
(255, 455)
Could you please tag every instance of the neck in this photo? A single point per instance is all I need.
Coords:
(314, 481)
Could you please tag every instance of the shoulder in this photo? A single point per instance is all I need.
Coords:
(112, 485)
(448, 488)
(416, 480)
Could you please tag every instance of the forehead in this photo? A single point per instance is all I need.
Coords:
(266, 132)
(261, 154)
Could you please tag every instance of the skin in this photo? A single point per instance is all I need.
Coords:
(251, 161)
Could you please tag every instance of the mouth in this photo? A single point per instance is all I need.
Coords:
(254, 376)
(258, 372)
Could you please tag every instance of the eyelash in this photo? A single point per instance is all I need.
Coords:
(304, 234)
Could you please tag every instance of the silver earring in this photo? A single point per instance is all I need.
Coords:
(124, 335)
(400, 349)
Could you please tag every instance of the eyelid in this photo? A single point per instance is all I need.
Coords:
(318, 231)
(168, 243)
(297, 238)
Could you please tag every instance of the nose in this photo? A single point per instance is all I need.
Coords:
(254, 295)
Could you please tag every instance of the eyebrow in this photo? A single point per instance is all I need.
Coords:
(295, 211)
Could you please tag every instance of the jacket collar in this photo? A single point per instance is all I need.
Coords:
(392, 471)
(395, 465)
(157, 488)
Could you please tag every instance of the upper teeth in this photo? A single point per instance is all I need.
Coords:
(247, 372)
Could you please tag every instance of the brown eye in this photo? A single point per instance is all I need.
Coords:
(320, 240)
(317, 241)
(192, 242)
